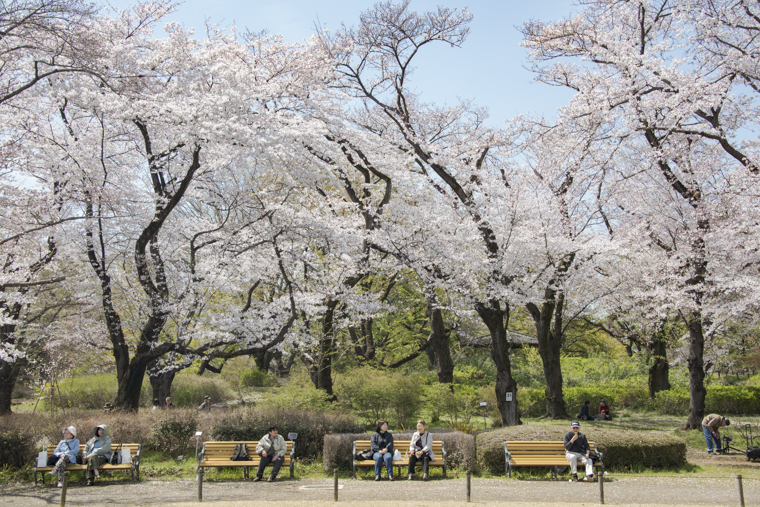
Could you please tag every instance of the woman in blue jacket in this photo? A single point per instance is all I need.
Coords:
(66, 452)
(381, 444)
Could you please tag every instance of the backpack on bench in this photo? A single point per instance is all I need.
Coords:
(240, 453)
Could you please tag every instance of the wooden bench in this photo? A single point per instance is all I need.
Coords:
(551, 453)
(218, 454)
(403, 448)
(133, 466)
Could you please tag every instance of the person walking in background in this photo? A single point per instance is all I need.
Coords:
(711, 428)
(585, 412)
(421, 448)
(381, 444)
(206, 405)
(97, 452)
(604, 411)
(272, 449)
(169, 403)
(577, 447)
(66, 452)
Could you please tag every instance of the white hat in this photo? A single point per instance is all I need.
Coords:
(72, 430)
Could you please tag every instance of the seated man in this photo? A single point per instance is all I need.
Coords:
(272, 449)
(585, 412)
(711, 429)
(206, 405)
(576, 447)
(604, 411)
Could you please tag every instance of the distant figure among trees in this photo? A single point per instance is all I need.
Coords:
(604, 411)
(585, 412)
(206, 405)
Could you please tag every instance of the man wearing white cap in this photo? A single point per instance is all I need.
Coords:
(576, 447)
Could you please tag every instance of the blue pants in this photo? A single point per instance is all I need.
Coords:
(709, 438)
(379, 458)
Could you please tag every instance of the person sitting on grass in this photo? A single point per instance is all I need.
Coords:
(66, 452)
(711, 429)
(272, 449)
(381, 444)
(604, 411)
(585, 412)
(577, 447)
(421, 449)
(206, 405)
(97, 452)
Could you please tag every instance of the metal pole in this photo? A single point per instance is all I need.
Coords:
(335, 483)
(200, 484)
(601, 487)
(741, 490)
(468, 486)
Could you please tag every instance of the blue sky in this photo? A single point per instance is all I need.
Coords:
(487, 69)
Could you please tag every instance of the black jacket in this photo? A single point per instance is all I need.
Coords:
(580, 445)
(380, 441)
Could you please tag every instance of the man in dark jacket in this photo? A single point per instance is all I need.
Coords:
(576, 447)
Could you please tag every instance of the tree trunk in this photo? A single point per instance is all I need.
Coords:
(9, 373)
(494, 317)
(548, 334)
(130, 385)
(439, 340)
(697, 391)
(263, 359)
(327, 351)
(162, 385)
(659, 369)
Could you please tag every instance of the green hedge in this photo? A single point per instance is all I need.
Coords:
(629, 450)
(737, 400)
(460, 449)
(311, 427)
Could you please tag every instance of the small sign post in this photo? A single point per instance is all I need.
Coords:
(509, 396)
(483, 404)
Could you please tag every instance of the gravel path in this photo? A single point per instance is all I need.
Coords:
(318, 492)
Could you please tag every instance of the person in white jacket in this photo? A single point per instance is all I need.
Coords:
(272, 448)
(421, 449)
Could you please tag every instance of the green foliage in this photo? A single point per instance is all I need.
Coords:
(91, 392)
(376, 394)
(172, 434)
(16, 448)
(623, 450)
(257, 378)
(299, 394)
(252, 424)
(188, 389)
(455, 403)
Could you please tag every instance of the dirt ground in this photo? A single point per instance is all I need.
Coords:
(626, 490)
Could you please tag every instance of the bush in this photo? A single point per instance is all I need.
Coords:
(172, 434)
(189, 389)
(257, 378)
(252, 424)
(91, 392)
(460, 449)
(300, 394)
(622, 449)
(375, 394)
(16, 448)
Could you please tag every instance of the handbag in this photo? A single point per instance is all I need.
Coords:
(116, 456)
(594, 457)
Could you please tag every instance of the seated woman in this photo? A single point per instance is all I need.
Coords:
(66, 452)
(381, 444)
(421, 448)
(604, 411)
(97, 452)
(585, 412)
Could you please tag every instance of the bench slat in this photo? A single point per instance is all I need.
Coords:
(538, 453)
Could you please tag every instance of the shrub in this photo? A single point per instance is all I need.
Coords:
(300, 394)
(252, 424)
(189, 389)
(375, 394)
(622, 449)
(16, 448)
(257, 378)
(172, 433)
(90, 392)
(460, 449)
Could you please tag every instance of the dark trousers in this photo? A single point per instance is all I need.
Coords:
(413, 459)
(93, 463)
(275, 467)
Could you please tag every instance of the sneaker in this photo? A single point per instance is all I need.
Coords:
(377, 477)
(257, 478)
(425, 477)
(589, 478)
(60, 484)
(574, 478)
(410, 477)
(390, 477)
(271, 478)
